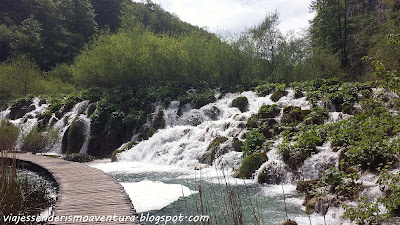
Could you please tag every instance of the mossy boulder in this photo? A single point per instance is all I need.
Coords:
(76, 136)
(213, 112)
(278, 95)
(317, 116)
(214, 150)
(241, 103)
(292, 114)
(252, 163)
(74, 157)
(269, 111)
(91, 109)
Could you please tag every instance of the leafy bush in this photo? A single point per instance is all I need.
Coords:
(318, 115)
(8, 135)
(38, 142)
(254, 143)
(268, 88)
(364, 213)
(370, 153)
(391, 184)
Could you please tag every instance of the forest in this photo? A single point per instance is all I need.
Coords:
(60, 46)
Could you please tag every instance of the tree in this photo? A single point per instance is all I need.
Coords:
(107, 13)
(329, 28)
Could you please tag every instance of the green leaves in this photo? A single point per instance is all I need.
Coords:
(254, 143)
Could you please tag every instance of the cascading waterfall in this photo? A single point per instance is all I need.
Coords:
(187, 136)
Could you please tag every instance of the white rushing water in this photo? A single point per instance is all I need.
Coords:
(157, 172)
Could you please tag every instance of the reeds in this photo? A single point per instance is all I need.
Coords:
(19, 195)
(224, 203)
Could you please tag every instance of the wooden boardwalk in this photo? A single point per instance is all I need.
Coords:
(84, 191)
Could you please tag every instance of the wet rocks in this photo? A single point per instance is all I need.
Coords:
(241, 103)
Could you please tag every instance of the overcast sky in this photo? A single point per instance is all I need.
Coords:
(235, 15)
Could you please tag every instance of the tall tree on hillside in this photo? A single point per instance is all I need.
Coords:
(107, 13)
(329, 28)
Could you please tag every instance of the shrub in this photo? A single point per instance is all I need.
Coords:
(391, 183)
(266, 89)
(38, 142)
(364, 213)
(8, 135)
(292, 114)
(370, 153)
(254, 143)
(318, 115)
(251, 163)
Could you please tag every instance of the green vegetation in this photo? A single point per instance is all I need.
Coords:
(241, 103)
(39, 142)
(252, 163)
(19, 193)
(254, 143)
(8, 135)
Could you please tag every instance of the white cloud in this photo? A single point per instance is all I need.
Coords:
(235, 15)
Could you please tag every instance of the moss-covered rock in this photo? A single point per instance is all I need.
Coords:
(269, 111)
(214, 150)
(76, 136)
(278, 95)
(127, 146)
(150, 132)
(292, 114)
(252, 163)
(241, 103)
(74, 157)
(91, 109)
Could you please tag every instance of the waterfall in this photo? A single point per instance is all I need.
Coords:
(188, 134)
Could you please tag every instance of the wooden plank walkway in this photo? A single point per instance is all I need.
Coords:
(84, 191)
